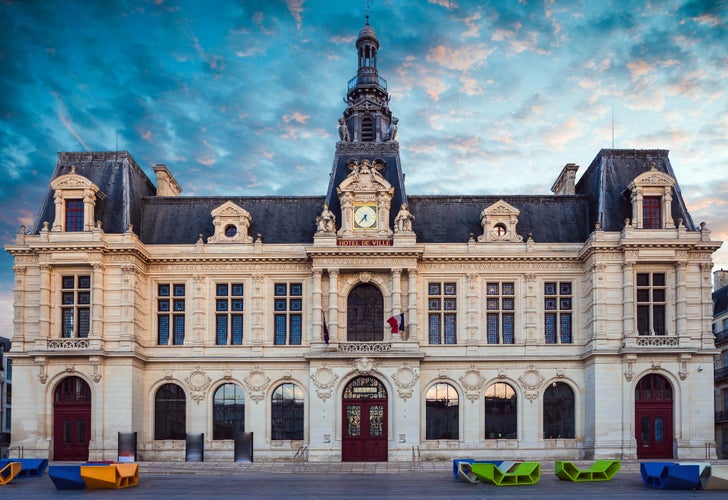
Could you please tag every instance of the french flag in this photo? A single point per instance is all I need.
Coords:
(397, 323)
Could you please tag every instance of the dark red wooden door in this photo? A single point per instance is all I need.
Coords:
(364, 421)
(71, 420)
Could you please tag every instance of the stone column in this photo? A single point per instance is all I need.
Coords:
(396, 298)
(333, 322)
(44, 308)
(198, 309)
(681, 318)
(258, 326)
(19, 332)
(471, 311)
(628, 326)
(316, 333)
(411, 319)
(97, 300)
(530, 329)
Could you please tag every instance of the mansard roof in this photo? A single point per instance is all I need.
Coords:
(606, 183)
(119, 178)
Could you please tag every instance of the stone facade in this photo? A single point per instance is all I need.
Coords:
(560, 301)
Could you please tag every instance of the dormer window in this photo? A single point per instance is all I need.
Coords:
(652, 200)
(232, 223)
(499, 222)
(75, 201)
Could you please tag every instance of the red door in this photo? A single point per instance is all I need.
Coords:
(71, 420)
(364, 421)
(653, 417)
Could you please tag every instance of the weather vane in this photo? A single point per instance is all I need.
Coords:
(369, 4)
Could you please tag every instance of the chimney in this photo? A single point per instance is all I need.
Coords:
(720, 279)
(166, 184)
(566, 182)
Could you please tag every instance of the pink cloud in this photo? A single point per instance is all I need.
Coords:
(296, 9)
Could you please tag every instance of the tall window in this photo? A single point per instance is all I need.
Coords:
(501, 418)
(170, 313)
(651, 302)
(442, 313)
(651, 212)
(288, 305)
(558, 411)
(500, 306)
(367, 129)
(287, 413)
(442, 409)
(228, 412)
(557, 318)
(74, 215)
(75, 306)
(229, 313)
(170, 412)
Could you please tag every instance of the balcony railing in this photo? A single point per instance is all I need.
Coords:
(720, 374)
(721, 336)
(367, 79)
(721, 416)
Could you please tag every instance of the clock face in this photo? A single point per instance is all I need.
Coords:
(365, 217)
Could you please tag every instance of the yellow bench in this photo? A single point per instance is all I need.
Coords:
(601, 470)
(9, 472)
(109, 477)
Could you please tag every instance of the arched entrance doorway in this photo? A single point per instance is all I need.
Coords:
(653, 417)
(364, 421)
(365, 314)
(71, 419)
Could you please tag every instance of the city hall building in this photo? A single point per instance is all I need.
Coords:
(365, 324)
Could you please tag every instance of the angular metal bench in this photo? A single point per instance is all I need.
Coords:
(671, 476)
(523, 473)
(601, 470)
(31, 466)
(113, 476)
(714, 477)
(9, 471)
(68, 477)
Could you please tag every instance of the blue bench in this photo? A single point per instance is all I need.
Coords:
(670, 475)
(68, 477)
(31, 466)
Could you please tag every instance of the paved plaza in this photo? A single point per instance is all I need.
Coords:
(340, 480)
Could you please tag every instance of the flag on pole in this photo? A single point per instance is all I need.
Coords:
(397, 323)
(325, 330)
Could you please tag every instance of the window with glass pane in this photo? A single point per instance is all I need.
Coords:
(171, 305)
(287, 317)
(652, 212)
(229, 313)
(651, 303)
(228, 412)
(557, 312)
(287, 413)
(442, 313)
(558, 411)
(500, 305)
(501, 418)
(75, 306)
(441, 412)
(170, 412)
(74, 215)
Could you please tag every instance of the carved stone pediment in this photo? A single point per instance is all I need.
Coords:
(73, 180)
(499, 222)
(365, 197)
(231, 224)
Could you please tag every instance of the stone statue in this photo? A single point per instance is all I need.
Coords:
(326, 222)
(403, 221)
(392, 130)
(343, 131)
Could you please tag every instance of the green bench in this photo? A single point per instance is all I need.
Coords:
(601, 470)
(522, 473)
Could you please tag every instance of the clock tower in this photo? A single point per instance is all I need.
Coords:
(366, 184)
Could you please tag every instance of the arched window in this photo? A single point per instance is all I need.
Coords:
(441, 408)
(367, 129)
(72, 390)
(228, 412)
(558, 411)
(287, 413)
(365, 314)
(501, 417)
(170, 405)
(653, 387)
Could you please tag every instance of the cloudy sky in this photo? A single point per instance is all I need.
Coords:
(243, 97)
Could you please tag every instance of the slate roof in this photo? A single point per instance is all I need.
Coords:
(120, 179)
(130, 198)
(606, 181)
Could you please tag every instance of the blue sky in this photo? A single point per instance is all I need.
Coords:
(243, 97)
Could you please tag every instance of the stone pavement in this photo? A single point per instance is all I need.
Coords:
(312, 480)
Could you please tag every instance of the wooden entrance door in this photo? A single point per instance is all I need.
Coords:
(71, 420)
(653, 417)
(364, 421)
